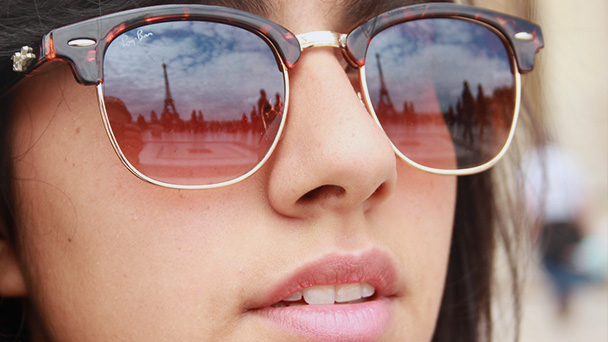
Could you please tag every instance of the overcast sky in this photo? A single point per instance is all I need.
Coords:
(213, 67)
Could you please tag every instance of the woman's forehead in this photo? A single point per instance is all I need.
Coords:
(343, 12)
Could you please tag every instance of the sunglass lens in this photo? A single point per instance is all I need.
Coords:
(443, 90)
(192, 103)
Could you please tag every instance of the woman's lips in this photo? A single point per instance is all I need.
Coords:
(365, 321)
(340, 297)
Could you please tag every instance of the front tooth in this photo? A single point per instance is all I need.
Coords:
(294, 297)
(348, 292)
(319, 294)
(367, 290)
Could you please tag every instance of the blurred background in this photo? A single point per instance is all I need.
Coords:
(573, 95)
(569, 89)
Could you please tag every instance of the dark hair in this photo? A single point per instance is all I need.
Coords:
(479, 228)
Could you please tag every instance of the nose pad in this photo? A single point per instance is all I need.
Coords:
(351, 71)
(355, 81)
(360, 98)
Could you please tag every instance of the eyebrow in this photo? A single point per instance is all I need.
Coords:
(351, 10)
(360, 10)
(352, 13)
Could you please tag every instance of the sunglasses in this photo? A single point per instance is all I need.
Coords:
(196, 96)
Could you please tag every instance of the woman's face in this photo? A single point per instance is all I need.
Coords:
(106, 256)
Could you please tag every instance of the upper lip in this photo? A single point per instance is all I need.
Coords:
(372, 266)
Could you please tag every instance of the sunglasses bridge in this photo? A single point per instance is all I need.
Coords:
(325, 39)
(321, 38)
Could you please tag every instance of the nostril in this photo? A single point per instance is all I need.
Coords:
(322, 192)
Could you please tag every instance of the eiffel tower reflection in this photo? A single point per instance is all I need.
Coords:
(385, 105)
(169, 117)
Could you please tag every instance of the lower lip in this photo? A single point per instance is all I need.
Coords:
(365, 321)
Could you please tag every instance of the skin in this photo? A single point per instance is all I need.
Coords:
(105, 256)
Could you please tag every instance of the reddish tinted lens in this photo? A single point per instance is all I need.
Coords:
(443, 90)
(193, 103)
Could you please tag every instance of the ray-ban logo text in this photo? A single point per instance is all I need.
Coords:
(127, 41)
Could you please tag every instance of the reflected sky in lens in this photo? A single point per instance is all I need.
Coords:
(441, 52)
(212, 67)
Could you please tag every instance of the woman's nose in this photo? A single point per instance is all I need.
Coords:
(333, 157)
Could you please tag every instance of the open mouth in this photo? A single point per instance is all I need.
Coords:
(329, 295)
(338, 297)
